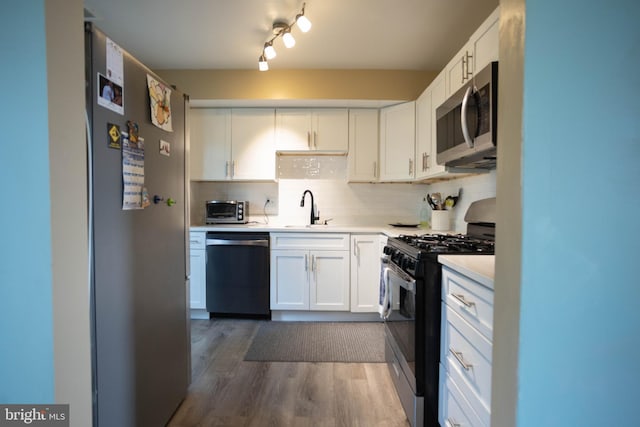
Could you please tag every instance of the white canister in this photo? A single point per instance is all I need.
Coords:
(441, 220)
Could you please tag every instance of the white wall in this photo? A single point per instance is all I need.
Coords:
(69, 236)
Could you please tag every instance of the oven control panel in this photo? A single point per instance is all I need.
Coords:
(405, 262)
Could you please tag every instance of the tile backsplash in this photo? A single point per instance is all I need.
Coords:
(336, 199)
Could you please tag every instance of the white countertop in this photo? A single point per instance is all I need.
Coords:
(480, 268)
(386, 229)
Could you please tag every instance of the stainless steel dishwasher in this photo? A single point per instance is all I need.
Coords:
(238, 274)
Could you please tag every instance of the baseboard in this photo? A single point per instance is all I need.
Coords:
(323, 316)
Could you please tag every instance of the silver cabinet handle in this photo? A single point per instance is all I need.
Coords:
(458, 356)
(314, 265)
(315, 139)
(226, 169)
(306, 262)
(426, 157)
(469, 72)
(463, 118)
(309, 139)
(354, 248)
(463, 300)
(452, 423)
(375, 169)
(462, 67)
(410, 166)
(233, 168)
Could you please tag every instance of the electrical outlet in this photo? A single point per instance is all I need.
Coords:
(271, 205)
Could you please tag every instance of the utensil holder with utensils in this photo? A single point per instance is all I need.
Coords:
(440, 220)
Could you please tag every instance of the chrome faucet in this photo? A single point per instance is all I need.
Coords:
(313, 213)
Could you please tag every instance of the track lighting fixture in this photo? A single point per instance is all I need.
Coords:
(282, 29)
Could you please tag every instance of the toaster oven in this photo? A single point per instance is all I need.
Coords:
(226, 212)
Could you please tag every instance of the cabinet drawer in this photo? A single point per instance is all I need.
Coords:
(197, 239)
(310, 241)
(455, 410)
(468, 360)
(470, 300)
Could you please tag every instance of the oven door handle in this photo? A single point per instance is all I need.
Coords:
(405, 281)
(409, 286)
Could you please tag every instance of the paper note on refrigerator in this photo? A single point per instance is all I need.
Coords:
(160, 100)
(132, 173)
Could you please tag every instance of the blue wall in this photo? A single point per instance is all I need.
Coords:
(26, 331)
(580, 312)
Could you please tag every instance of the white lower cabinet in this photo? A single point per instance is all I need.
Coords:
(466, 348)
(198, 280)
(310, 271)
(366, 250)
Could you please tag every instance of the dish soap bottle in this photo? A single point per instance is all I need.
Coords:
(424, 214)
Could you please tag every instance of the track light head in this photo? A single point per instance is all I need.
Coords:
(263, 65)
(302, 21)
(288, 39)
(269, 52)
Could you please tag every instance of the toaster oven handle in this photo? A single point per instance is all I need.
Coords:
(463, 118)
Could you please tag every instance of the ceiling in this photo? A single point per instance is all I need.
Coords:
(346, 34)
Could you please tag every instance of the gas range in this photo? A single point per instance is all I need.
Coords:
(412, 277)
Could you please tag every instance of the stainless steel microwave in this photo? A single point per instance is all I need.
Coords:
(227, 212)
(466, 123)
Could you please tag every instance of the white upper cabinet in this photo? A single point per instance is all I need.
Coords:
(426, 141)
(230, 144)
(486, 41)
(477, 53)
(305, 129)
(210, 143)
(252, 145)
(363, 145)
(397, 142)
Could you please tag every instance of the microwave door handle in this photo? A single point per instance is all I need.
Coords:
(463, 118)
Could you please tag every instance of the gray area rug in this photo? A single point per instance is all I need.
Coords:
(318, 342)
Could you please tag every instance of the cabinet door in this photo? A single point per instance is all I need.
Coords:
(365, 273)
(252, 147)
(330, 130)
(438, 96)
(289, 280)
(363, 145)
(423, 133)
(210, 144)
(329, 282)
(459, 68)
(198, 284)
(293, 129)
(397, 142)
(485, 41)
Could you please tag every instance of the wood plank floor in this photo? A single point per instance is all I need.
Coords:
(228, 391)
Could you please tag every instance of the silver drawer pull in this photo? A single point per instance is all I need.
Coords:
(458, 356)
(462, 299)
(452, 423)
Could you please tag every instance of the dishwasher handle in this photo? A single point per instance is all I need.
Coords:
(227, 242)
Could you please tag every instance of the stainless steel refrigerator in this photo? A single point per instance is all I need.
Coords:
(139, 269)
